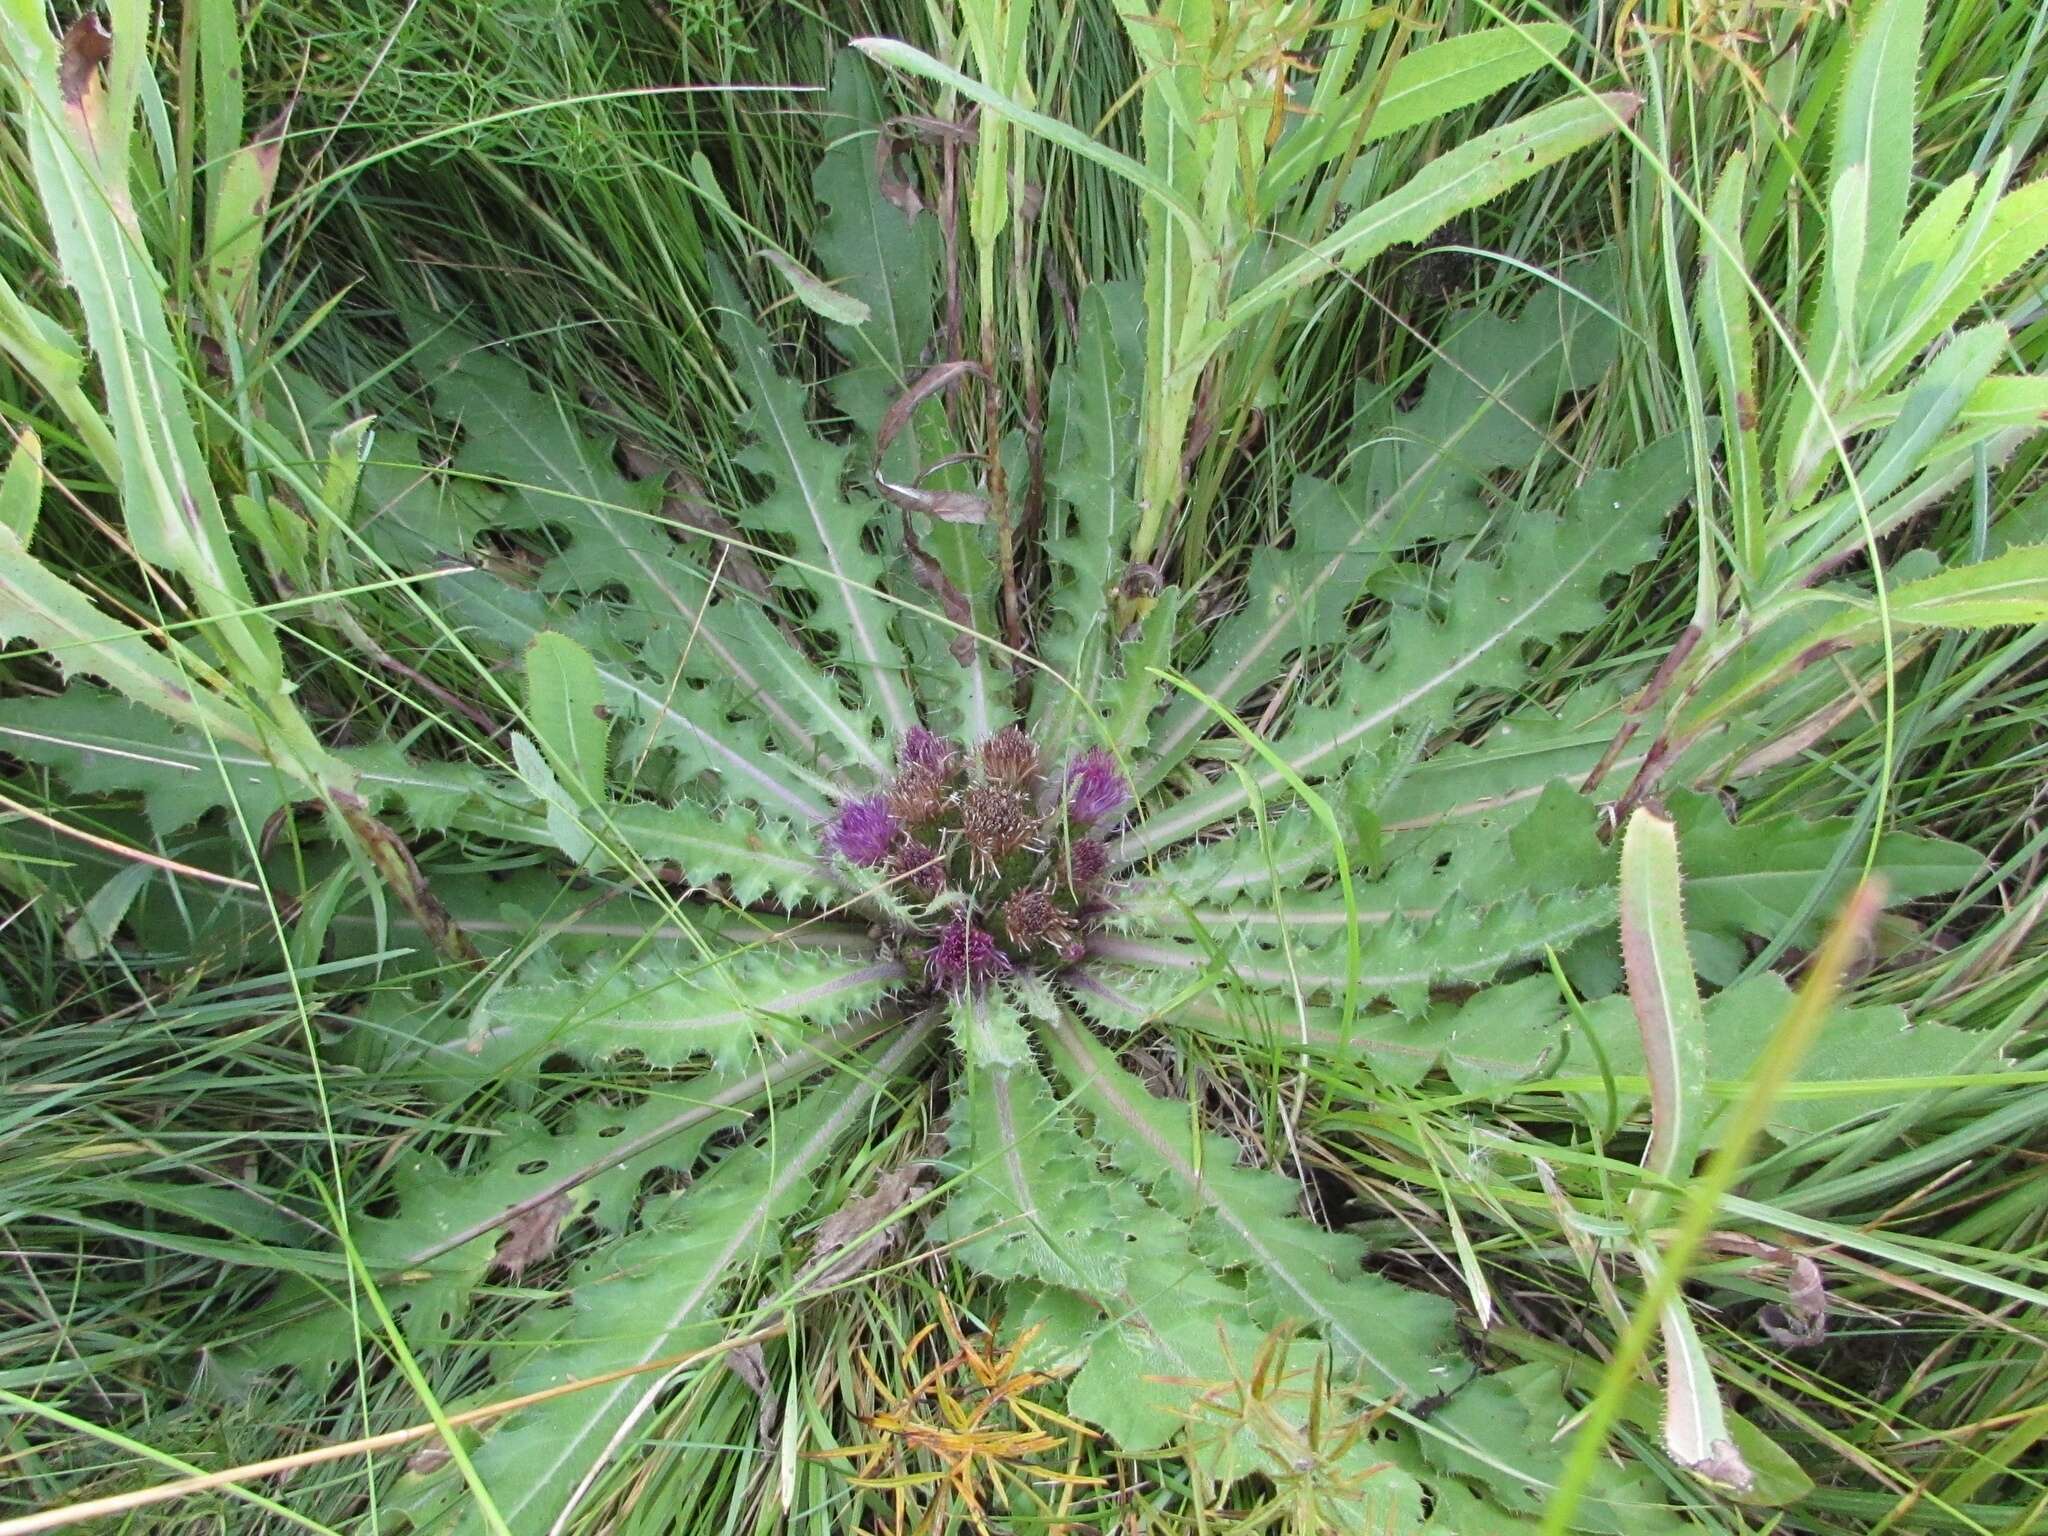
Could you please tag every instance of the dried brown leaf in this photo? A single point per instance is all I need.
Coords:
(862, 1233)
(530, 1237)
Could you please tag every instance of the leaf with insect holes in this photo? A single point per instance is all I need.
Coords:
(1091, 469)
(673, 1005)
(890, 258)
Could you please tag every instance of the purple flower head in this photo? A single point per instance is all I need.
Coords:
(921, 749)
(1087, 863)
(920, 795)
(920, 867)
(1096, 787)
(965, 958)
(863, 832)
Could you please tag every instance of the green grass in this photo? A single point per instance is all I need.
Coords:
(175, 1113)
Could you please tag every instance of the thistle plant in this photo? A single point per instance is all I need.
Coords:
(822, 834)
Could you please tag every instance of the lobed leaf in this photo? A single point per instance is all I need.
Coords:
(1413, 477)
(1030, 1203)
(1543, 584)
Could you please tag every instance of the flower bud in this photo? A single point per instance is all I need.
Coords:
(1009, 758)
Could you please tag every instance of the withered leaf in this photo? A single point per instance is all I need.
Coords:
(930, 382)
(87, 45)
(860, 1234)
(748, 1363)
(530, 1237)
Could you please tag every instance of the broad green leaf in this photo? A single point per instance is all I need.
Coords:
(1672, 1029)
(1753, 877)
(1875, 117)
(565, 707)
(21, 488)
(2011, 588)
(92, 931)
(1424, 84)
(818, 297)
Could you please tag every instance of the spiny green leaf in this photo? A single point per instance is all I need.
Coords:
(169, 505)
(824, 527)
(1545, 583)
(21, 488)
(1411, 477)
(888, 256)
(1091, 469)
(39, 606)
(673, 1004)
(656, 1294)
(1666, 1002)
(1874, 122)
(551, 480)
(1030, 1203)
(1473, 172)
(988, 1029)
(1244, 1218)
(1440, 78)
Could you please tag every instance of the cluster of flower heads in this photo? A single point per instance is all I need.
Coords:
(1009, 863)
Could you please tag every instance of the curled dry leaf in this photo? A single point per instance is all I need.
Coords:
(530, 1237)
(862, 1233)
(940, 506)
(1800, 1321)
(87, 45)
(895, 187)
(930, 382)
(943, 506)
(751, 1366)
